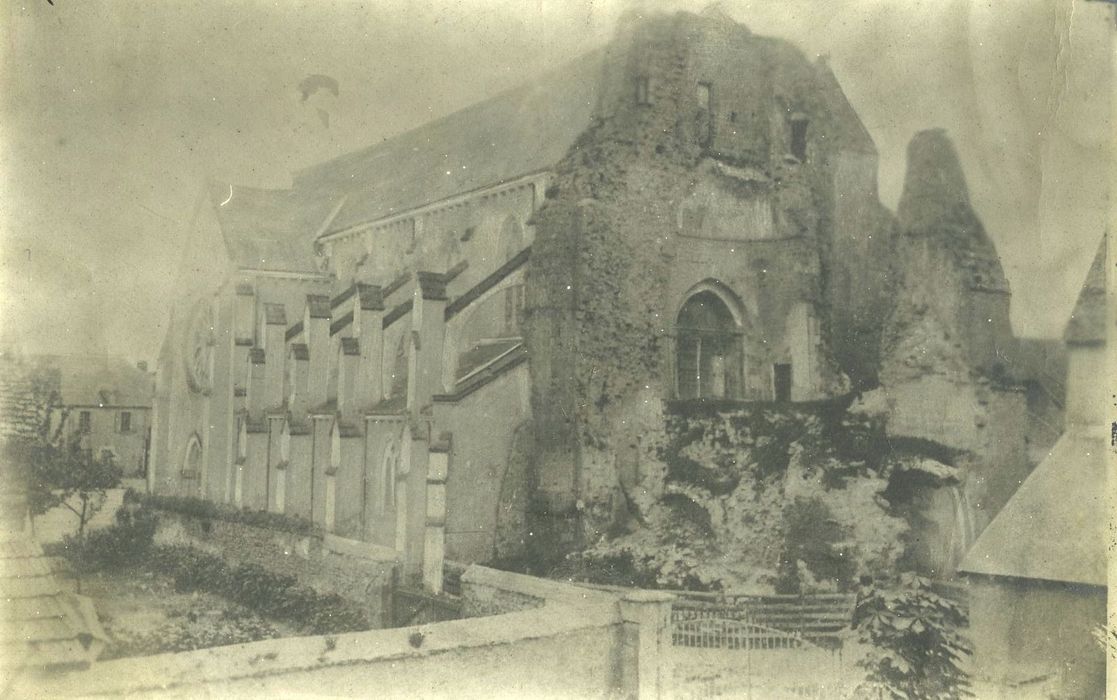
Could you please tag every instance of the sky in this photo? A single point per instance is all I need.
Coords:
(113, 114)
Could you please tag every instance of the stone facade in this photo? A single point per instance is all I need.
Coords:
(446, 342)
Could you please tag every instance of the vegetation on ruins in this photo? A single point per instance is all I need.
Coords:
(793, 498)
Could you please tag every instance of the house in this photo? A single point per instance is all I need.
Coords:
(1037, 575)
(105, 400)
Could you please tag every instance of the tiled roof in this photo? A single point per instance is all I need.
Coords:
(521, 131)
(1087, 322)
(96, 380)
(1052, 528)
(41, 624)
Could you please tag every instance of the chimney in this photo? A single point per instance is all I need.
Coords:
(368, 315)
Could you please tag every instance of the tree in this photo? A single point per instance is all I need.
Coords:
(64, 473)
(914, 639)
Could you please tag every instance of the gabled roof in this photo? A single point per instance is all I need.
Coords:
(1087, 321)
(524, 130)
(1052, 529)
(849, 131)
(99, 380)
(271, 229)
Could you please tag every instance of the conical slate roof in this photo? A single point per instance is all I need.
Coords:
(1087, 321)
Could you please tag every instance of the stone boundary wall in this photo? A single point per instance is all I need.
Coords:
(357, 571)
(576, 643)
(493, 592)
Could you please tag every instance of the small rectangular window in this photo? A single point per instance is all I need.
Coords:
(643, 91)
(84, 421)
(799, 139)
(782, 380)
(125, 422)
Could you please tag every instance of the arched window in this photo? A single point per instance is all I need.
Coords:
(708, 356)
(192, 462)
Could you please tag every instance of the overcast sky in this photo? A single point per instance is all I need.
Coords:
(113, 113)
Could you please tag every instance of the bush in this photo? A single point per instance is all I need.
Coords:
(124, 543)
(277, 596)
(813, 537)
(915, 641)
(208, 510)
(183, 635)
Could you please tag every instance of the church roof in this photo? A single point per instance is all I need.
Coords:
(1052, 528)
(1087, 321)
(271, 229)
(524, 130)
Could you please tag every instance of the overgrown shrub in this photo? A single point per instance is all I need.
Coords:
(208, 510)
(915, 641)
(814, 540)
(125, 543)
(233, 627)
(277, 596)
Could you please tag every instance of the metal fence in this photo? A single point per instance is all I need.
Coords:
(715, 633)
(817, 618)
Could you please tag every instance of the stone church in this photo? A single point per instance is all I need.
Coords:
(448, 343)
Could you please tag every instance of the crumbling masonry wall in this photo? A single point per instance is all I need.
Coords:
(685, 177)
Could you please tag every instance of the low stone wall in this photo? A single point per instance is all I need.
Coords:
(575, 643)
(492, 592)
(357, 571)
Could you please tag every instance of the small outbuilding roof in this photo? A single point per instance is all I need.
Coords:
(1087, 321)
(41, 624)
(1053, 528)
